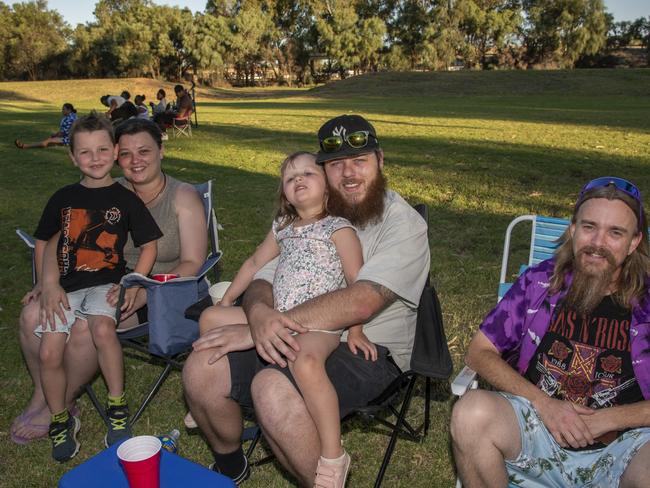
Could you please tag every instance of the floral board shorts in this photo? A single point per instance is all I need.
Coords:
(543, 463)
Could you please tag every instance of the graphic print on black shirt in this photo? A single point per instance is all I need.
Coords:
(90, 239)
(586, 360)
(94, 224)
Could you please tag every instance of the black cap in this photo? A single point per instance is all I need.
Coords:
(344, 125)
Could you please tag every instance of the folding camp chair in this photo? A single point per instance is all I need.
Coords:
(182, 126)
(544, 235)
(31, 243)
(430, 359)
(168, 335)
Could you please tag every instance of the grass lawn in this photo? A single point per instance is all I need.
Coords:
(478, 148)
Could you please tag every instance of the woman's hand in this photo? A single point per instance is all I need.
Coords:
(130, 295)
(33, 294)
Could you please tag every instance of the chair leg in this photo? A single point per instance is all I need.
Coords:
(427, 405)
(152, 392)
(393, 438)
(98, 406)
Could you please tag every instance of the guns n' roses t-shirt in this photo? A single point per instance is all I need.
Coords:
(586, 359)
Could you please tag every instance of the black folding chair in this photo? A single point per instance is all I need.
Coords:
(430, 360)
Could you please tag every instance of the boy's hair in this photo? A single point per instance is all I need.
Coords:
(136, 126)
(178, 88)
(140, 99)
(287, 213)
(163, 93)
(91, 123)
(125, 95)
(104, 99)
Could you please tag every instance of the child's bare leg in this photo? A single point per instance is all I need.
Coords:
(320, 396)
(109, 353)
(52, 370)
(218, 316)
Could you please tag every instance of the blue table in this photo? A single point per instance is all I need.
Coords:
(104, 471)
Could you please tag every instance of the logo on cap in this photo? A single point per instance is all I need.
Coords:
(339, 131)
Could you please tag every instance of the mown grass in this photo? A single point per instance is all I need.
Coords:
(478, 148)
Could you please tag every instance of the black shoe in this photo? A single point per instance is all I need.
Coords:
(63, 435)
(118, 424)
(241, 477)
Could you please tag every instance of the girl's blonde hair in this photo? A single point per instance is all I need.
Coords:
(286, 213)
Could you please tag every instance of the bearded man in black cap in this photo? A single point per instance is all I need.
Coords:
(251, 359)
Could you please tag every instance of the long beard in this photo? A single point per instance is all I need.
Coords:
(360, 214)
(589, 286)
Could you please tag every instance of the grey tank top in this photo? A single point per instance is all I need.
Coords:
(169, 245)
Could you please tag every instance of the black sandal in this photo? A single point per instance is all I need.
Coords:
(19, 144)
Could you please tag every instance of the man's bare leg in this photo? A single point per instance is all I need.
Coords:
(637, 473)
(287, 425)
(485, 432)
(207, 390)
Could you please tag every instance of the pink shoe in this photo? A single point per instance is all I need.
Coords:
(332, 473)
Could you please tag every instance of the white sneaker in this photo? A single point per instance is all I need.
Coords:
(332, 473)
(189, 421)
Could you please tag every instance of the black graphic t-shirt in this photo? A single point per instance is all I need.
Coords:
(586, 359)
(94, 223)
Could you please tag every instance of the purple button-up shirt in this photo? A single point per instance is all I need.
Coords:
(518, 323)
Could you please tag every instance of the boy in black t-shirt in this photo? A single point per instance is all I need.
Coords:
(92, 219)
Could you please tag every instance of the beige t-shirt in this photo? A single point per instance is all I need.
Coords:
(396, 255)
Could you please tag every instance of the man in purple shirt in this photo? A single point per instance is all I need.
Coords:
(568, 349)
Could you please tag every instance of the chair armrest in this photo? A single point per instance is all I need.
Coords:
(464, 381)
(26, 238)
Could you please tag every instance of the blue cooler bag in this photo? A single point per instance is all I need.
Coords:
(170, 332)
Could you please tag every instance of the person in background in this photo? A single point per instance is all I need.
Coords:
(161, 106)
(60, 138)
(143, 111)
(183, 110)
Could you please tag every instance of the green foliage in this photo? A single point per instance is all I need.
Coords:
(36, 35)
(560, 31)
(252, 42)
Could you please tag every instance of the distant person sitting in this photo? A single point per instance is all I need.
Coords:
(161, 106)
(183, 110)
(143, 111)
(119, 108)
(60, 138)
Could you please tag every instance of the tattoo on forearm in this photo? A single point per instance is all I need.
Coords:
(388, 296)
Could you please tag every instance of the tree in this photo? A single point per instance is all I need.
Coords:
(37, 34)
(489, 26)
(560, 31)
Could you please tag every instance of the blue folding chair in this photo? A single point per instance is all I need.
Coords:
(31, 244)
(172, 333)
(168, 335)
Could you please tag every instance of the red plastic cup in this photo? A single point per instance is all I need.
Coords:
(140, 458)
(165, 277)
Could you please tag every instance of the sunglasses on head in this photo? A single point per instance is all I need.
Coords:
(357, 140)
(621, 184)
